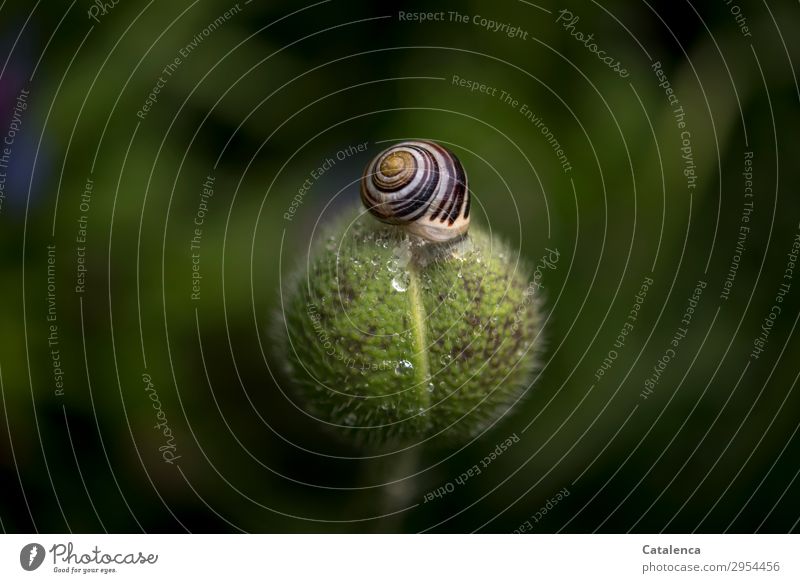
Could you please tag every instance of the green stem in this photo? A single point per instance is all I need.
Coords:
(418, 318)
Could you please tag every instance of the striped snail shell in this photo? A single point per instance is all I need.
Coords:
(421, 186)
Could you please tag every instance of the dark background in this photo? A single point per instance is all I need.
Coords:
(266, 98)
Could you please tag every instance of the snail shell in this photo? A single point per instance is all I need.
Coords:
(421, 186)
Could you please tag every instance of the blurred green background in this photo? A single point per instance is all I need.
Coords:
(260, 100)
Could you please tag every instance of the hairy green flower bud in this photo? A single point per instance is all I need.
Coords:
(390, 339)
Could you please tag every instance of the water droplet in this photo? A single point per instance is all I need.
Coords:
(400, 283)
(445, 360)
(430, 387)
(402, 253)
(403, 367)
(350, 419)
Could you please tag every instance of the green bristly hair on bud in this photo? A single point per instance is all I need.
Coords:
(389, 339)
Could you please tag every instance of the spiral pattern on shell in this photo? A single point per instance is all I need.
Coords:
(421, 186)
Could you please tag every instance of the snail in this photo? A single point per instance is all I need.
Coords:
(420, 186)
